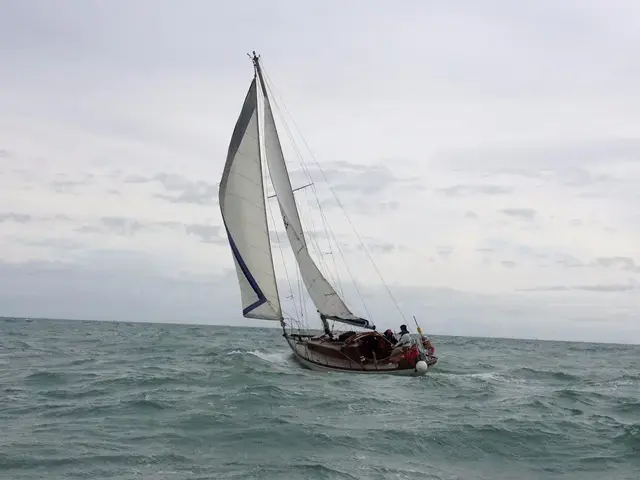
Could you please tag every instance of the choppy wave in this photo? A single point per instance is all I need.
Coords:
(134, 401)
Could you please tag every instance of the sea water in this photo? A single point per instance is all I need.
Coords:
(89, 400)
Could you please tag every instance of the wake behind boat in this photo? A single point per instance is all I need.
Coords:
(244, 206)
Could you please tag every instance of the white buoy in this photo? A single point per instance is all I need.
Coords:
(422, 367)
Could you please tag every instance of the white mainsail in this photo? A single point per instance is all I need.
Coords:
(242, 203)
(322, 293)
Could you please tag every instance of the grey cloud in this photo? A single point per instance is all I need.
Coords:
(129, 227)
(569, 261)
(471, 190)
(391, 205)
(355, 178)
(551, 259)
(121, 226)
(364, 207)
(542, 257)
(116, 225)
(444, 251)
(545, 161)
(624, 263)
(24, 218)
(15, 217)
(590, 195)
(57, 243)
(589, 169)
(607, 288)
(358, 205)
(65, 185)
(134, 178)
(180, 189)
(525, 213)
(581, 177)
(206, 233)
(604, 288)
(27, 218)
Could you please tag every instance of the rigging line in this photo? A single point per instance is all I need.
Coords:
(344, 211)
(312, 232)
(314, 240)
(325, 222)
(355, 284)
(305, 169)
(289, 317)
(327, 227)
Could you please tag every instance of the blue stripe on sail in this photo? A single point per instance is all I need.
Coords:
(245, 270)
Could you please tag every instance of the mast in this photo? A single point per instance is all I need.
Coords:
(327, 301)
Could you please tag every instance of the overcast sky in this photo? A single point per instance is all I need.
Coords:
(487, 152)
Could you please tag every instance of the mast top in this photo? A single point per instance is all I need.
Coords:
(255, 59)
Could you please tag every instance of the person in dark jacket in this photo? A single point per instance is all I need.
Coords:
(388, 334)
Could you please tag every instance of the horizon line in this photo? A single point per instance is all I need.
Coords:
(267, 326)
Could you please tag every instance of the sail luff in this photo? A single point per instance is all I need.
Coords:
(243, 206)
(324, 296)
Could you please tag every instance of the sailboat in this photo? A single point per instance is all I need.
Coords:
(255, 150)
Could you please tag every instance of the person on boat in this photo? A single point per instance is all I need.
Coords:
(428, 346)
(405, 339)
(403, 344)
(388, 334)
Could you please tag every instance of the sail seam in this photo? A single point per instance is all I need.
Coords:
(244, 176)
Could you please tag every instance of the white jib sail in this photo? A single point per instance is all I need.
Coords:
(242, 203)
(323, 295)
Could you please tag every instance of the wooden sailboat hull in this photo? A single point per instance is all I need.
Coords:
(319, 354)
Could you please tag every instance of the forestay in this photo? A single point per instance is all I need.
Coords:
(242, 203)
